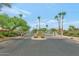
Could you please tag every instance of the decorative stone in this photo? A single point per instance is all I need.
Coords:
(39, 36)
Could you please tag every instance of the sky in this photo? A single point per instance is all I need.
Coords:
(47, 12)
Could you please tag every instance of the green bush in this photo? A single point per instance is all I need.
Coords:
(72, 33)
(1, 36)
(8, 34)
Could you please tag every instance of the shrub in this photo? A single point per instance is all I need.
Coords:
(74, 33)
(1, 36)
(8, 34)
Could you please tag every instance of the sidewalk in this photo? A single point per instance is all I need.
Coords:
(18, 37)
(12, 38)
(76, 39)
(4, 39)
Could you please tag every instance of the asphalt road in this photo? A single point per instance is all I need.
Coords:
(49, 47)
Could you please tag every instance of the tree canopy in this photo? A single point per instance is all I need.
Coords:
(13, 23)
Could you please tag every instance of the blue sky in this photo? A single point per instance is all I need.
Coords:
(47, 11)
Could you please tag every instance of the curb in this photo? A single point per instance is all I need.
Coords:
(76, 39)
(4, 39)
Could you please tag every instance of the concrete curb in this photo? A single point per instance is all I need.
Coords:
(4, 39)
(76, 39)
(11, 38)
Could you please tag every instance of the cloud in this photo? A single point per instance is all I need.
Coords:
(9, 10)
(46, 21)
(23, 11)
(15, 11)
(71, 23)
(51, 21)
(41, 24)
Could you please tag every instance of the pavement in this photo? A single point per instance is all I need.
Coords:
(53, 46)
(75, 39)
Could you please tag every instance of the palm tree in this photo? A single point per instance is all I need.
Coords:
(71, 28)
(46, 28)
(20, 15)
(39, 21)
(57, 18)
(53, 30)
(36, 26)
(5, 4)
(61, 15)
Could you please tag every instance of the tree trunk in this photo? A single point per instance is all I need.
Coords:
(61, 27)
(39, 24)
